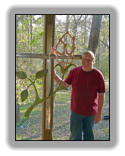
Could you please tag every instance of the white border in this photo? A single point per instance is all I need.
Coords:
(113, 77)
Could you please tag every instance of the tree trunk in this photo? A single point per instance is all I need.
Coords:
(31, 31)
(67, 27)
(28, 32)
(94, 34)
(17, 111)
(76, 22)
(67, 23)
(85, 30)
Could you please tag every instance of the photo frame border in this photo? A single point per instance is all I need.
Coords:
(113, 64)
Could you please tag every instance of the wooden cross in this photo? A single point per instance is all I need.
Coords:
(48, 85)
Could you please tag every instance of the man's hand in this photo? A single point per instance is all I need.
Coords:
(60, 81)
(97, 118)
(100, 105)
(54, 73)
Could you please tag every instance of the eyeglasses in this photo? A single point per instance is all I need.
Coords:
(88, 60)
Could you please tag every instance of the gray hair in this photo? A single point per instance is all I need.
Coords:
(90, 53)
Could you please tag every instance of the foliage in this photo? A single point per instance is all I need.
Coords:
(21, 75)
(82, 32)
(61, 115)
(29, 38)
(24, 93)
(64, 70)
(40, 74)
(30, 34)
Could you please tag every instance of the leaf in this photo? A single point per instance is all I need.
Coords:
(61, 87)
(69, 46)
(21, 75)
(24, 95)
(41, 73)
(38, 100)
(34, 42)
(41, 34)
(62, 69)
(66, 70)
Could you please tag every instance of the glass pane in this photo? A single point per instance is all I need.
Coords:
(29, 33)
(28, 128)
(79, 26)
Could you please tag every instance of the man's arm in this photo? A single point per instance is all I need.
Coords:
(60, 81)
(100, 105)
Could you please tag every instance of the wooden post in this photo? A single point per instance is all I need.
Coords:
(47, 107)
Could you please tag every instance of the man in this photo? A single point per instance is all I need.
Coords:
(87, 98)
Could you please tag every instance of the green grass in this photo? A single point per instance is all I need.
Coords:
(63, 97)
(61, 119)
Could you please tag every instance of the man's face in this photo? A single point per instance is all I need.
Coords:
(87, 61)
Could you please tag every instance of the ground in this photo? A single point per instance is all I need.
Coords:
(30, 128)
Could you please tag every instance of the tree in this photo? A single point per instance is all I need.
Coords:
(31, 31)
(76, 22)
(17, 111)
(94, 34)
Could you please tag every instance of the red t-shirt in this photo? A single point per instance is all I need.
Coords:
(85, 89)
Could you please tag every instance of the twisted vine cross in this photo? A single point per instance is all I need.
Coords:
(64, 65)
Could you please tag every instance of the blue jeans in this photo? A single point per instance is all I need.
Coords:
(81, 127)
